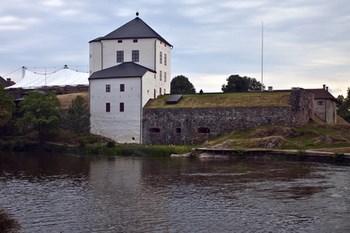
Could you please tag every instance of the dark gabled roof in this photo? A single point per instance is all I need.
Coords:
(6, 83)
(322, 94)
(124, 70)
(135, 29)
(3, 82)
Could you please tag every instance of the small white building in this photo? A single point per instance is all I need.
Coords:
(128, 67)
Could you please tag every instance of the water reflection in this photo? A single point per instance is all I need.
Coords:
(72, 194)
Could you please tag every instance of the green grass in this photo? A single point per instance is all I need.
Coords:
(311, 136)
(134, 149)
(217, 100)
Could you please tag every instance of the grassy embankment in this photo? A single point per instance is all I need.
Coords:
(222, 100)
(313, 136)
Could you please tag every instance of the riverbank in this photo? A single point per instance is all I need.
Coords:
(312, 140)
(296, 155)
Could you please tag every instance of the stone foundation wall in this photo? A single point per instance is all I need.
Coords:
(196, 125)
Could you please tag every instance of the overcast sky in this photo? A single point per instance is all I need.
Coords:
(306, 42)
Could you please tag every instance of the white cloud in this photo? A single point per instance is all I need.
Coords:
(14, 23)
(53, 3)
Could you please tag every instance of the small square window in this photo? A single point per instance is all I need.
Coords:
(135, 40)
(120, 41)
(108, 107)
(108, 88)
(121, 107)
(320, 102)
(122, 87)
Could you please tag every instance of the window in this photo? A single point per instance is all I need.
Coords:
(120, 56)
(160, 91)
(108, 88)
(160, 57)
(154, 130)
(165, 60)
(121, 107)
(135, 40)
(203, 130)
(160, 75)
(135, 55)
(164, 76)
(122, 87)
(320, 102)
(108, 107)
(120, 41)
(178, 130)
(164, 91)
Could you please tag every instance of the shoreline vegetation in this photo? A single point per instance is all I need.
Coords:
(312, 140)
(8, 223)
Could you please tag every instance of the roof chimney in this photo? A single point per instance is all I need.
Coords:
(327, 88)
(324, 86)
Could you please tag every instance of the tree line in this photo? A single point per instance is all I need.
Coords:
(40, 112)
(235, 83)
(343, 106)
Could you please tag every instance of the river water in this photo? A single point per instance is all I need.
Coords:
(59, 193)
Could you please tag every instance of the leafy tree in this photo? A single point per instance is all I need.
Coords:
(41, 112)
(78, 118)
(181, 85)
(343, 105)
(7, 106)
(236, 83)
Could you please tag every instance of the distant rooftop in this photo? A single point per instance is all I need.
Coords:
(322, 94)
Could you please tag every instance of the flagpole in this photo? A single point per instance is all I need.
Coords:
(262, 56)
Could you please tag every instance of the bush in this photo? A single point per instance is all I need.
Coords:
(7, 223)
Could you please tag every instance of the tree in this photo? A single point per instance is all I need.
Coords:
(343, 105)
(181, 85)
(78, 118)
(41, 112)
(236, 83)
(7, 106)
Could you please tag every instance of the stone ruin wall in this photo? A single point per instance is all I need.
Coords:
(196, 125)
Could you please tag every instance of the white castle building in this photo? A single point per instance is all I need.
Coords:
(128, 67)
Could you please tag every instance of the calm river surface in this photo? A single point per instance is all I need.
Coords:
(58, 193)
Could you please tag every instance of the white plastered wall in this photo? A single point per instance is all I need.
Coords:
(123, 127)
